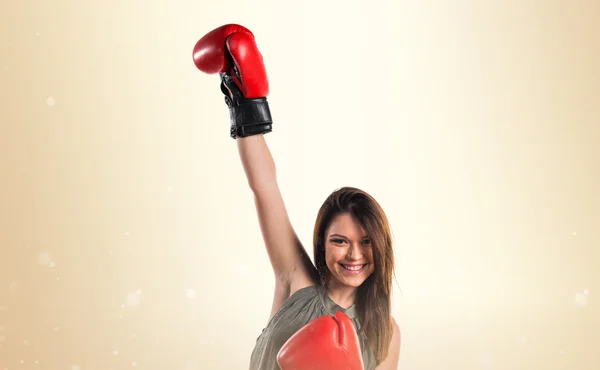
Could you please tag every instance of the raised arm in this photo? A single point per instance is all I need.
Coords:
(231, 51)
(291, 264)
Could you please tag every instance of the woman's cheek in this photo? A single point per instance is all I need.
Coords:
(335, 254)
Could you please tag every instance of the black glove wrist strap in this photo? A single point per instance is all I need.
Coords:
(249, 117)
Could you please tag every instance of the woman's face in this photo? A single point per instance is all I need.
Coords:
(348, 251)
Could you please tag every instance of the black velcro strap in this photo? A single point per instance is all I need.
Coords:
(250, 117)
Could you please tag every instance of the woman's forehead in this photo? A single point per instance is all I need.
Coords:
(345, 225)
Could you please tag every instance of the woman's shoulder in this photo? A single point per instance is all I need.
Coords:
(309, 291)
(302, 306)
(301, 299)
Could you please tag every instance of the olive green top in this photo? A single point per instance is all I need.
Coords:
(298, 310)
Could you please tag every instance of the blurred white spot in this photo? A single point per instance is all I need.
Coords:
(123, 305)
(138, 292)
(191, 293)
(22, 361)
(561, 352)
(110, 253)
(574, 233)
(36, 362)
(133, 336)
(459, 270)
(50, 101)
(120, 316)
(58, 278)
(133, 299)
(44, 259)
(127, 233)
(26, 342)
(580, 299)
(586, 291)
(523, 340)
(14, 286)
(52, 264)
(37, 33)
(170, 189)
(2, 308)
(2, 338)
(75, 367)
(134, 364)
(5, 68)
(115, 352)
(56, 329)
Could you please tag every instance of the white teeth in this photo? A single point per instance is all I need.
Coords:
(353, 268)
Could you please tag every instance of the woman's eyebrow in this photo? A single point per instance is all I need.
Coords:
(366, 236)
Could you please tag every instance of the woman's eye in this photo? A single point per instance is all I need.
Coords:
(368, 241)
(337, 241)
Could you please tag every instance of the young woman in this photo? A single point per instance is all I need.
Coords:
(352, 250)
(352, 244)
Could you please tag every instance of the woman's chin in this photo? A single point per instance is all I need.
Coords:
(354, 280)
(354, 283)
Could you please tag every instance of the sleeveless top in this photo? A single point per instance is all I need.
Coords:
(299, 309)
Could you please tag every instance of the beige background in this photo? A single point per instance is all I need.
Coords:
(128, 234)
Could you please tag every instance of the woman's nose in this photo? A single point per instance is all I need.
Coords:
(355, 251)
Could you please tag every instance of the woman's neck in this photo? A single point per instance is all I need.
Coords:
(342, 295)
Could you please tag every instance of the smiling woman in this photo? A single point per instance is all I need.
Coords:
(356, 257)
(352, 242)
(355, 261)
(347, 255)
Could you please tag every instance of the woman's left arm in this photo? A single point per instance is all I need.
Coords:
(391, 361)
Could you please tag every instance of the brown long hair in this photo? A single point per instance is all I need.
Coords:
(373, 296)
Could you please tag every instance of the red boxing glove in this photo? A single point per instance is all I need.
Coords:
(326, 343)
(231, 51)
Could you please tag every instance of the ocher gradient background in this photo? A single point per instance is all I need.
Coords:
(128, 233)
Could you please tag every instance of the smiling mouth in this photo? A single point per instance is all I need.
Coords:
(353, 269)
